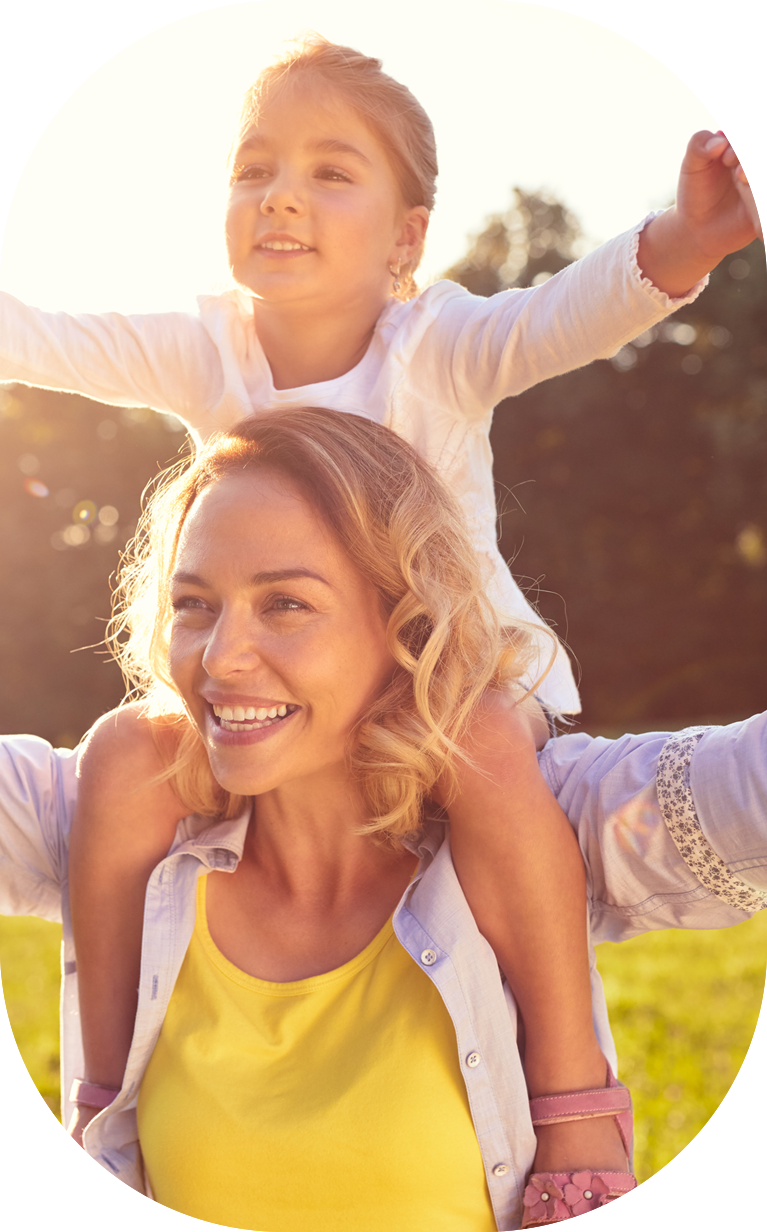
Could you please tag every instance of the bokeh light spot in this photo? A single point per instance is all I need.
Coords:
(84, 512)
(35, 488)
(28, 464)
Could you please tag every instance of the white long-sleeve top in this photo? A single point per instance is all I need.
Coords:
(433, 372)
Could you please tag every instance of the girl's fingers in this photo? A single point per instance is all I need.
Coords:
(716, 145)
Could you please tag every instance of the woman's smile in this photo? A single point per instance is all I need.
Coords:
(277, 642)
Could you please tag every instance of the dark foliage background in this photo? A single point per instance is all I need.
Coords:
(633, 497)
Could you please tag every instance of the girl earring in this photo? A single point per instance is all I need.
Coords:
(395, 274)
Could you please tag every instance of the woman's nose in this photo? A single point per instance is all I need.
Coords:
(232, 646)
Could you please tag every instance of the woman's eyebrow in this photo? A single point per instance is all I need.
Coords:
(286, 575)
(265, 578)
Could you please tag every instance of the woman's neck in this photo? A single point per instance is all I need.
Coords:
(307, 836)
(304, 346)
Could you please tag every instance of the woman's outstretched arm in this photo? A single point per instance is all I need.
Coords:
(672, 826)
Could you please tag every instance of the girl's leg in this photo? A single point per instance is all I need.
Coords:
(124, 824)
(520, 867)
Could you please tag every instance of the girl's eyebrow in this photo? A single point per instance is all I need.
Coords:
(258, 579)
(331, 145)
(328, 145)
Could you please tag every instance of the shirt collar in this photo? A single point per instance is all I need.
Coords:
(211, 840)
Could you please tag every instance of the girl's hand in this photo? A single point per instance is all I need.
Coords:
(714, 215)
(710, 200)
(81, 1117)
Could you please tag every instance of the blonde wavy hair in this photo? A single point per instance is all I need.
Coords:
(393, 115)
(405, 534)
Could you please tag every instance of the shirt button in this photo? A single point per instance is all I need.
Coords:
(428, 958)
(473, 1060)
(500, 1169)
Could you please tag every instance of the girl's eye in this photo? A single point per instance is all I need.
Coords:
(333, 173)
(253, 171)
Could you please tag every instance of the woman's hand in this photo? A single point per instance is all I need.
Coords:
(714, 215)
(82, 1116)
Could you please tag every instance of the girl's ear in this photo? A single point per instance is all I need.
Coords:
(412, 234)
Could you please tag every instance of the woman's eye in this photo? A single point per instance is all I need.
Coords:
(284, 603)
(189, 603)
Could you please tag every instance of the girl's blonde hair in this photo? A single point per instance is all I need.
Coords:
(405, 534)
(394, 116)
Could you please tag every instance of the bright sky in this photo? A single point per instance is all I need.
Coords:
(120, 204)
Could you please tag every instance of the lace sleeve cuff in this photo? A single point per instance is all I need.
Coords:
(678, 807)
(664, 301)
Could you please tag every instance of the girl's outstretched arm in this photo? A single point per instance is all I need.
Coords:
(518, 861)
(124, 824)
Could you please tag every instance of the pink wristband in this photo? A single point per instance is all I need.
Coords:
(91, 1094)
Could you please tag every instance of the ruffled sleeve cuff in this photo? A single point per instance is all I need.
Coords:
(666, 302)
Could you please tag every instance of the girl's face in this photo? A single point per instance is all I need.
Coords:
(315, 212)
(278, 643)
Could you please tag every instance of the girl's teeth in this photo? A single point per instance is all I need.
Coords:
(250, 712)
(238, 714)
(262, 714)
(282, 711)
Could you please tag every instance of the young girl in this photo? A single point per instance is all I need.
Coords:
(332, 182)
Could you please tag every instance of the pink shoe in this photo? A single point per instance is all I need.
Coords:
(551, 1197)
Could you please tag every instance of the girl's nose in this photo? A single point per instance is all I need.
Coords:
(281, 197)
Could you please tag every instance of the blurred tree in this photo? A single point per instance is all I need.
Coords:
(634, 491)
(533, 240)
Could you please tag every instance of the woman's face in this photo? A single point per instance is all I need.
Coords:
(314, 208)
(278, 643)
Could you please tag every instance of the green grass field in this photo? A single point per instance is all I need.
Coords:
(683, 1006)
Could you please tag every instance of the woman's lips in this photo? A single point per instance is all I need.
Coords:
(224, 730)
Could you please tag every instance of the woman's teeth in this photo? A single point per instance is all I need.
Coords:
(247, 718)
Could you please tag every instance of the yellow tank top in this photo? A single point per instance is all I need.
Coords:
(334, 1103)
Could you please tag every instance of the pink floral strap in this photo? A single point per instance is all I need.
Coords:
(551, 1197)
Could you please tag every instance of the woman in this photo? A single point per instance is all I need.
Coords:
(322, 1032)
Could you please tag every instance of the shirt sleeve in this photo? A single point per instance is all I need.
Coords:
(37, 794)
(498, 347)
(656, 837)
(166, 361)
